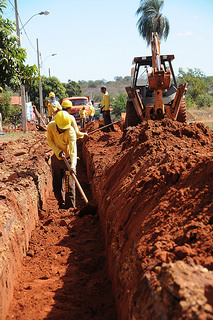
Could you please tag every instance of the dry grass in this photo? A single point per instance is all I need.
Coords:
(12, 136)
(204, 115)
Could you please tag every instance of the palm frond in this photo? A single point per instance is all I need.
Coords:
(151, 20)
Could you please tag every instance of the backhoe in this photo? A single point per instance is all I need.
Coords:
(157, 95)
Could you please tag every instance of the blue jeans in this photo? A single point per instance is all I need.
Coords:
(91, 118)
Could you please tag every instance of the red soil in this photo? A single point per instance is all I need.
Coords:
(63, 275)
(154, 189)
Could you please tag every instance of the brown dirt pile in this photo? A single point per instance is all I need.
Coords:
(154, 189)
(153, 185)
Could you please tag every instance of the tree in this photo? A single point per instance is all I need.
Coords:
(118, 78)
(5, 105)
(151, 20)
(48, 84)
(198, 87)
(91, 84)
(119, 104)
(72, 88)
(13, 71)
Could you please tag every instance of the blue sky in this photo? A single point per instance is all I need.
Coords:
(97, 40)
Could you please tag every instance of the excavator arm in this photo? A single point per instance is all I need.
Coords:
(160, 98)
(159, 80)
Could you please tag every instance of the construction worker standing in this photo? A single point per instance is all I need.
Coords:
(106, 110)
(67, 106)
(91, 112)
(53, 106)
(61, 138)
(83, 114)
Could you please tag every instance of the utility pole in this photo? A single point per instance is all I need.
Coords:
(23, 102)
(49, 72)
(40, 85)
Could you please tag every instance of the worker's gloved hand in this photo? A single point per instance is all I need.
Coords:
(73, 170)
(86, 134)
(62, 154)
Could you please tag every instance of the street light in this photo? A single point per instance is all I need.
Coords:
(23, 102)
(36, 14)
(51, 55)
(39, 83)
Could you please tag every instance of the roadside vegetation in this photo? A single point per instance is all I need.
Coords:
(199, 95)
(13, 70)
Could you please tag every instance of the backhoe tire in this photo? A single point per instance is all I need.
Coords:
(132, 118)
(182, 112)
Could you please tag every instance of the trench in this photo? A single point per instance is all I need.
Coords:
(64, 274)
(153, 234)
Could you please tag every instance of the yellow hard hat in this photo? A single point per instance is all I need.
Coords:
(66, 104)
(51, 94)
(63, 120)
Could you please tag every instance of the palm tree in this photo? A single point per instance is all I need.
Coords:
(151, 20)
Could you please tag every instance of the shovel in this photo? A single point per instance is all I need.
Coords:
(39, 117)
(88, 209)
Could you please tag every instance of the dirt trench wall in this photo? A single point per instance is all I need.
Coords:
(154, 190)
(25, 184)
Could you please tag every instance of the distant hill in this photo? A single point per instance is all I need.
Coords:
(92, 88)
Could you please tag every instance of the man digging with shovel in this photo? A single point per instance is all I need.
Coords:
(61, 137)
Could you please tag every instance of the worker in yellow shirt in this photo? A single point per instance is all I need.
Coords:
(106, 110)
(61, 138)
(83, 115)
(53, 106)
(67, 106)
(91, 112)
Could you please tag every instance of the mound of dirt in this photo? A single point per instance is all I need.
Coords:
(154, 189)
(153, 185)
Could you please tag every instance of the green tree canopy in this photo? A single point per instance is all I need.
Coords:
(48, 85)
(119, 104)
(198, 87)
(151, 20)
(72, 88)
(13, 71)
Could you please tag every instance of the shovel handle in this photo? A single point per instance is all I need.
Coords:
(107, 125)
(76, 180)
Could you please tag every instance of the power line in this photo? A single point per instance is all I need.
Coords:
(27, 35)
(9, 14)
(23, 27)
(11, 4)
